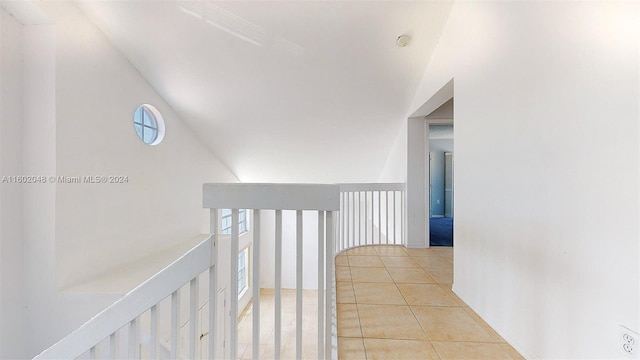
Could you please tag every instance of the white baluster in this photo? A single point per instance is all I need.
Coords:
(321, 287)
(395, 237)
(278, 285)
(154, 333)
(299, 269)
(353, 223)
(213, 282)
(193, 317)
(359, 219)
(386, 203)
(373, 215)
(175, 324)
(379, 217)
(402, 217)
(233, 312)
(328, 284)
(133, 339)
(113, 340)
(256, 284)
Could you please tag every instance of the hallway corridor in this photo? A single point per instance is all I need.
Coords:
(397, 303)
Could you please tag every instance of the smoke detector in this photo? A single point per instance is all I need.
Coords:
(403, 40)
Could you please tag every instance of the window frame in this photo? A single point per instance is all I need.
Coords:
(245, 255)
(155, 120)
(225, 221)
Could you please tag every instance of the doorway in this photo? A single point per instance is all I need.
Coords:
(433, 111)
(441, 184)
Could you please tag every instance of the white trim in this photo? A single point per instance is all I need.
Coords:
(271, 196)
(356, 187)
(134, 303)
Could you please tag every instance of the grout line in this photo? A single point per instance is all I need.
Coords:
(355, 299)
(412, 313)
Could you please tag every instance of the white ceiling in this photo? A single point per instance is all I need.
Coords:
(282, 91)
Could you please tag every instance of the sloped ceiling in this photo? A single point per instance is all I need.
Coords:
(282, 91)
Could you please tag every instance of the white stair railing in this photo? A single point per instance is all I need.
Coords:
(115, 333)
(371, 214)
(323, 199)
(130, 328)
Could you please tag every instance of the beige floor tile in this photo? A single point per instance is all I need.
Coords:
(426, 294)
(470, 350)
(245, 332)
(342, 260)
(343, 273)
(433, 262)
(420, 252)
(266, 292)
(267, 353)
(309, 349)
(494, 335)
(348, 320)
(389, 322)
(248, 352)
(511, 352)
(365, 260)
(308, 352)
(447, 289)
(391, 349)
(245, 328)
(351, 349)
(457, 331)
(361, 250)
(378, 293)
(442, 276)
(370, 274)
(242, 347)
(344, 293)
(450, 324)
(310, 296)
(410, 276)
(390, 250)
(398, 262)
(444, 251)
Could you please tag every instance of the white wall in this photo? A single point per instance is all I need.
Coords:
(32, 313)
(51, 314)
(99, 227)
(12, 340)
(546, 207)
(395, 168)
(69, 113)
(417, 194)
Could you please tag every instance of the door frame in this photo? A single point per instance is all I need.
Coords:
(418, 173)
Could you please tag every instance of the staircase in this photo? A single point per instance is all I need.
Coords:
(170, 316)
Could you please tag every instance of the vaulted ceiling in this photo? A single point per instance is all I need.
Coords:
(282, 91)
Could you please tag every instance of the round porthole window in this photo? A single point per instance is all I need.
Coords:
(148, 124)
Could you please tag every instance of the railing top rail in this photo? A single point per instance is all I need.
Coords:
(271, 196)
(372, 187)
(134, 303)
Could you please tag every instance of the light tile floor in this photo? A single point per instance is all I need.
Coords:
(397, 303)
(288, 324)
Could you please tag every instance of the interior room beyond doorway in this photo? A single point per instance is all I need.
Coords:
(440, 185)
